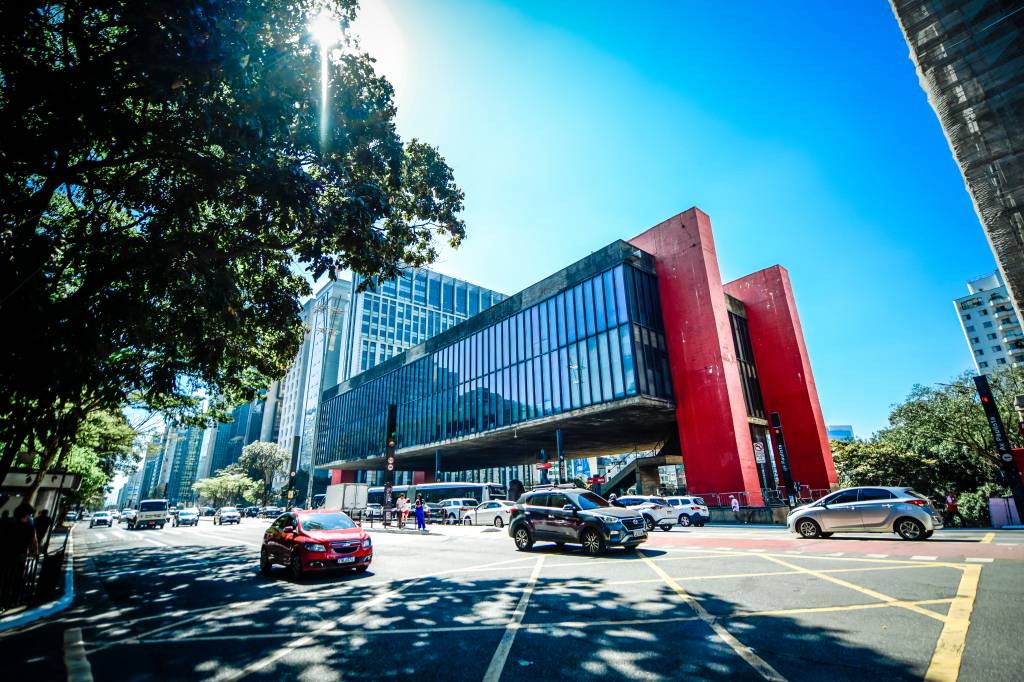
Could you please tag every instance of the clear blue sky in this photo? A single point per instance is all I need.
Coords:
(799, 128)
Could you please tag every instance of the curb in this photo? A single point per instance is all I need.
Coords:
(34, 614)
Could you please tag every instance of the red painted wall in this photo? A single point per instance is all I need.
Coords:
(784, 369)
(342, 476)
(710, 413)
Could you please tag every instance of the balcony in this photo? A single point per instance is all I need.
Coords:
(1009, 324)
(1012, 336)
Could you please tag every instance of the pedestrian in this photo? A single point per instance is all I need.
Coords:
(17, 542)
(953, 510)
(403, 510)
(735, 504)
(43, 522)
(421, 513)
(613, 500)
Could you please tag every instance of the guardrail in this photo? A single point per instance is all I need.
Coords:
(28, 580)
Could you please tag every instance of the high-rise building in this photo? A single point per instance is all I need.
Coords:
(990, 324)
(842, 432)
(188, 441)
(151, 466)
(970, 61)
(229, 438)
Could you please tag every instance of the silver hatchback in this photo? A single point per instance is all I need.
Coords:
(867, 510)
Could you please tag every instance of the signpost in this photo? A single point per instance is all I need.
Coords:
(596, 482)
(389, 460)
(759, 455)
(1003, 448)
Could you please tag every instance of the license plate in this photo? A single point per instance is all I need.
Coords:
(347, 560)
(639, 533)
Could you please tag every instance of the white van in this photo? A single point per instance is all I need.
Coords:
(151, 514)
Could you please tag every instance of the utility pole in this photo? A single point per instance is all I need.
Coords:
(995, 424)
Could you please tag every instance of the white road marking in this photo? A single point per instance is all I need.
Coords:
(100, 536)
(758, 550)
(834, 553)
(979, 560)
(75, 660)
(727, 549)
(920, 557)
(497, 665)
(876, 556)
(156, 542)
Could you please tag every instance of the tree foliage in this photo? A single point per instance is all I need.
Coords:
(265, 460)
(164, 184)
(229, 485)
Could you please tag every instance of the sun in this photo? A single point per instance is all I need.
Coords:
(381, 37)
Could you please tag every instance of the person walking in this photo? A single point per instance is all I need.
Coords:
(17, 543)
(403, 510)
(735, 504)
(43, 523)
(421, 513)
(953, 510)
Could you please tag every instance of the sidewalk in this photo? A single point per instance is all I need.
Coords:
(35, 613)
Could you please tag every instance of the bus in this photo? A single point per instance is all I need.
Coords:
(435, 492)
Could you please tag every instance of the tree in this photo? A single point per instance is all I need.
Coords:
(227, 486)
(266, 459)
(164, 183)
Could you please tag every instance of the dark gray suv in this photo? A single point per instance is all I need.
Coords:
(573, 516)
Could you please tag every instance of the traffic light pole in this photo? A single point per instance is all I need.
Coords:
(391, 440)
(995, 423)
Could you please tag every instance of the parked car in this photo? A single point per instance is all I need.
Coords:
(574, 516)
(374, 511)
(271, 512)
(453, 509)
(227, 515)
(71, 517)
(187, 517)
(315, 540)
(656, 511)
(691, 510)
(434, 513)
(207, 511)
(101, 518)
(495, 513)
(898, 510)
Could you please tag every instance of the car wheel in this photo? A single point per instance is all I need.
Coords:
(592, 541)
(452, 519)
(264, 563)
(296, 567)
(523, 538)
(928, 534)
(648, 523)
(499, 522)
(684, 520)
(910, 529)
(161, 526)
(808, 528)
(665, 527)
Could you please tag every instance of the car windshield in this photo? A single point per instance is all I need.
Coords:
(227, 510)
(470, 503)
(591, 501)
(101, 514)
(660, 500)
(186, 512)
(331, 521)
(153, 506)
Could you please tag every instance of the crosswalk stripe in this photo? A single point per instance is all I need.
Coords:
(979, 560)
(919, 557)
(877, 556)
(100, 536)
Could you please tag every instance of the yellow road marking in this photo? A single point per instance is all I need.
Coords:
(949, 650)
(765, 574)
(863, 590)
(987, 538)
(947, 564)
(832, 609)
(747, 654)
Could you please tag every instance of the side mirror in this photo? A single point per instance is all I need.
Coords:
(569, 508)
(289, 529)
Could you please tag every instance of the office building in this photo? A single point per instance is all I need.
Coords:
(969, 58)
(151, 462)
(591, 361)
(228, 438)
(843, 432)
(184, 456)
(990, 324)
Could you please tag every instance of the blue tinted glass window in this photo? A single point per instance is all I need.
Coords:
(570, 316)
(620, 295)
(564, 374)
(599, 307)
(460, 299)
(584, 373)
(486, 300)
(405, 286)
(556, 384)
(594, 364)
(581, 317)
(560, 311)
(434, 289)
(420, 287)
(507, 393)
(606, 369)
(609, 298)
(474, 300)
(545, 372)
(520, 344)
(449, 296)
(552, 325)
(535, 331)
(538, 386)
(531, 404)
(505, 343)
(588, 297)
(542, 328)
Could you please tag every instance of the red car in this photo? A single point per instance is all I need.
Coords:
(315, 540)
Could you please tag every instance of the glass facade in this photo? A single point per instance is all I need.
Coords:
(186, 453)
(406, 311)
(599, 340)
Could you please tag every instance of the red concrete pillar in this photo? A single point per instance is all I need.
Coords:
(422, 477)
(714, 433)
(784, 369)
(342, 476)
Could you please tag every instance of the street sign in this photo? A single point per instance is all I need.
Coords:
(759, 456)
(291, 494)
(596, 480)
(545, 465)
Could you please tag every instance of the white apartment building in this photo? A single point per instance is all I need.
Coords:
(990, 324)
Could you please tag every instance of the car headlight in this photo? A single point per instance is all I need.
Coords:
(313, 547)
(367, 543)
(607, 519)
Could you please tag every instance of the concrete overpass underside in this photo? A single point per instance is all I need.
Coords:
(635, 423)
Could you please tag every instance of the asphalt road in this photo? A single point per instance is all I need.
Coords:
(732, 603)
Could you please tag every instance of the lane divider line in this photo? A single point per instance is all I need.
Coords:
(500, 656)
(746, 653)
(75, 660)
(949, 649)
(863, 590)
(987, 538)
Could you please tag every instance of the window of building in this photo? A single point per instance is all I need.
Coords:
(970, 327)
(967, 316)
(987, 325)
(434, 299)
(991, 336)
(975, 339)
(984, 312)
(997, 348)
(1000, 361)
(979, 351)
(982, 364)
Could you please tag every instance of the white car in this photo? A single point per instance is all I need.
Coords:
(655, 510)
(101, 519)
(452, 510)
(692, 510)
(495, 513)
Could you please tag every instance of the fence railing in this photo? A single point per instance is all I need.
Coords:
(27, 580)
